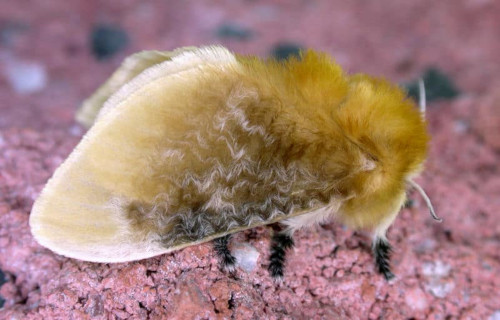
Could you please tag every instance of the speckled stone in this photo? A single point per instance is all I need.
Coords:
(447, 270)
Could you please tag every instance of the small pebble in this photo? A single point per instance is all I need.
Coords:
(107, 40)
(25, 77)
(234, 31)
(2, 281)
(283, 51)
(495, 315)
(437, 284)
(438, 86)
(246, 256)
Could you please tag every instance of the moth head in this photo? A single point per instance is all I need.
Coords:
(389, 133)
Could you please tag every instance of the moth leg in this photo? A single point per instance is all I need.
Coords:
(382, 251)
(227, 260)
(280, 243)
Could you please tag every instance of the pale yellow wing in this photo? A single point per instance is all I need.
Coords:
(131, 67)
(78, 212)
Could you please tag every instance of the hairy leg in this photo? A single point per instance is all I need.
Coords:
(382, 252)
(227, 260)
(280, 243)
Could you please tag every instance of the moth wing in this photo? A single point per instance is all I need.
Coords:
(79, 213)
(83, 210)
(131, 67)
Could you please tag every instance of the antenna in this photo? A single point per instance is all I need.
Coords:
(427, 200)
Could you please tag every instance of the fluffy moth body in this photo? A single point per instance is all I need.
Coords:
(197, 144)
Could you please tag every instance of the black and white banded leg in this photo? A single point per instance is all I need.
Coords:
(382, 251)
(227, 260)
(280, 243)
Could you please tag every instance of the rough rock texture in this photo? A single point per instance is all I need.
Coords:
(444, 271)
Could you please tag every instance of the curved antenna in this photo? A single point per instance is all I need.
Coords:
(422, 98)
(427, 200)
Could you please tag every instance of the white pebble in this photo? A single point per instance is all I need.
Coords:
(495, 315)
(436, 269)
(25, 77)
(246, 256)
(436, 272)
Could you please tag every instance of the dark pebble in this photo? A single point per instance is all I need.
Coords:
(107, 40)
(283, 51)
(2, 281)
(234, 31)
(437, 86)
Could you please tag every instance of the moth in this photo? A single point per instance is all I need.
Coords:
(194, 145)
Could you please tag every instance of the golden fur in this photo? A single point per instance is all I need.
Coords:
(207, 143)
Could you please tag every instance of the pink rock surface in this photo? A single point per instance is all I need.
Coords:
(444, 271)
